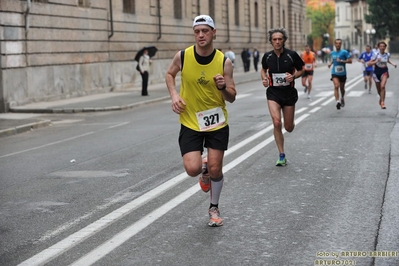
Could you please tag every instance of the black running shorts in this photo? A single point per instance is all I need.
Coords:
(342, 79)
(282, 96)
(307, 73)
(191, 140)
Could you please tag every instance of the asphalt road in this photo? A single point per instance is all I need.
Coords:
(109, 188)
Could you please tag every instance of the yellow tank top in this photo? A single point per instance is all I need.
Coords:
(205, 108)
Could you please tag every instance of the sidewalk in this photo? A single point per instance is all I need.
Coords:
(28, 117)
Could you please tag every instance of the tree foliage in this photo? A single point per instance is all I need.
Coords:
(322, 19)
(384, 16)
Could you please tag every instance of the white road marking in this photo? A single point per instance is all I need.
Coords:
(101, 251)
(301, 110)
(46, 145)
(314, 110)
(108, 246)
(240, 96)
(316, 101)
(60, 141)
(119, 125)
(325, 93)
(354, 94)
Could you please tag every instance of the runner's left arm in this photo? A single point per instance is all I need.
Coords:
(225, 83)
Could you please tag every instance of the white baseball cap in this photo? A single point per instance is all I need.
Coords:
(203, 20)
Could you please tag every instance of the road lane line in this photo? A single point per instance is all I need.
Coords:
(355, 81)
(301, 110)
(119, 125)
(79, 236)
(46, 145)
(134, 229)
(120, 238)
(317, 101)
(76, 238)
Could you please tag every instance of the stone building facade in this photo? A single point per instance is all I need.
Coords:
(55, 49)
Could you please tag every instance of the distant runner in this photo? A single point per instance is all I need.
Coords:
(339, 59)
(309, 58)
(381, 74)
(365, 58)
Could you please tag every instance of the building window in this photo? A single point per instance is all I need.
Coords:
(129, 6)
(271, 18)
(284, 20)
(237, 12)
(195, 8)
(348, 14)
(225, 12)
(154, 8)
(265, 10)
(212, 9)
(177, 9)
(300, 23)
(337, 12)
(84, 3)
(256, 15)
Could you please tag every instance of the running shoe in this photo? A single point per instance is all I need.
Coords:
(365, 85)
(282, 161)
(214, 217)
(342, 102)
(383, 105)
(369, 91)
(204, 178)
(308, 96)
(338, 105)
(306, 89)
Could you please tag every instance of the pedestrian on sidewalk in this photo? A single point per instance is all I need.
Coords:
(244, 57)
(207, 83)
(249, 55)
(381, 74)
(256, 57)
(230, 55)
(339, 59)
(144, 68)
(280, 67)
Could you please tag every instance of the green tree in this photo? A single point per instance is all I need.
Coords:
(322, 19)
(384, 17)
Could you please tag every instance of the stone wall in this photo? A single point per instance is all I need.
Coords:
(54, 49)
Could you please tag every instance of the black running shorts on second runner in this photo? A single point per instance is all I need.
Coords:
(307, 73)
(282, 96)
(341, 79)
(191, 140)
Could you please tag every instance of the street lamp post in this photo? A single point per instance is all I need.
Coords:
(371, 34)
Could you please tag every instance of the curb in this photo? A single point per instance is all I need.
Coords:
(87, 109)
(24, 128)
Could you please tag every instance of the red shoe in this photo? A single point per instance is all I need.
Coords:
(214, 217)
(204, 178)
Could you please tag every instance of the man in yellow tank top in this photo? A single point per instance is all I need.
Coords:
(309, 58)
(206, 83)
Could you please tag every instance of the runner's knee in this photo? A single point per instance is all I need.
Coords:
(289, 128)
(277, 123)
